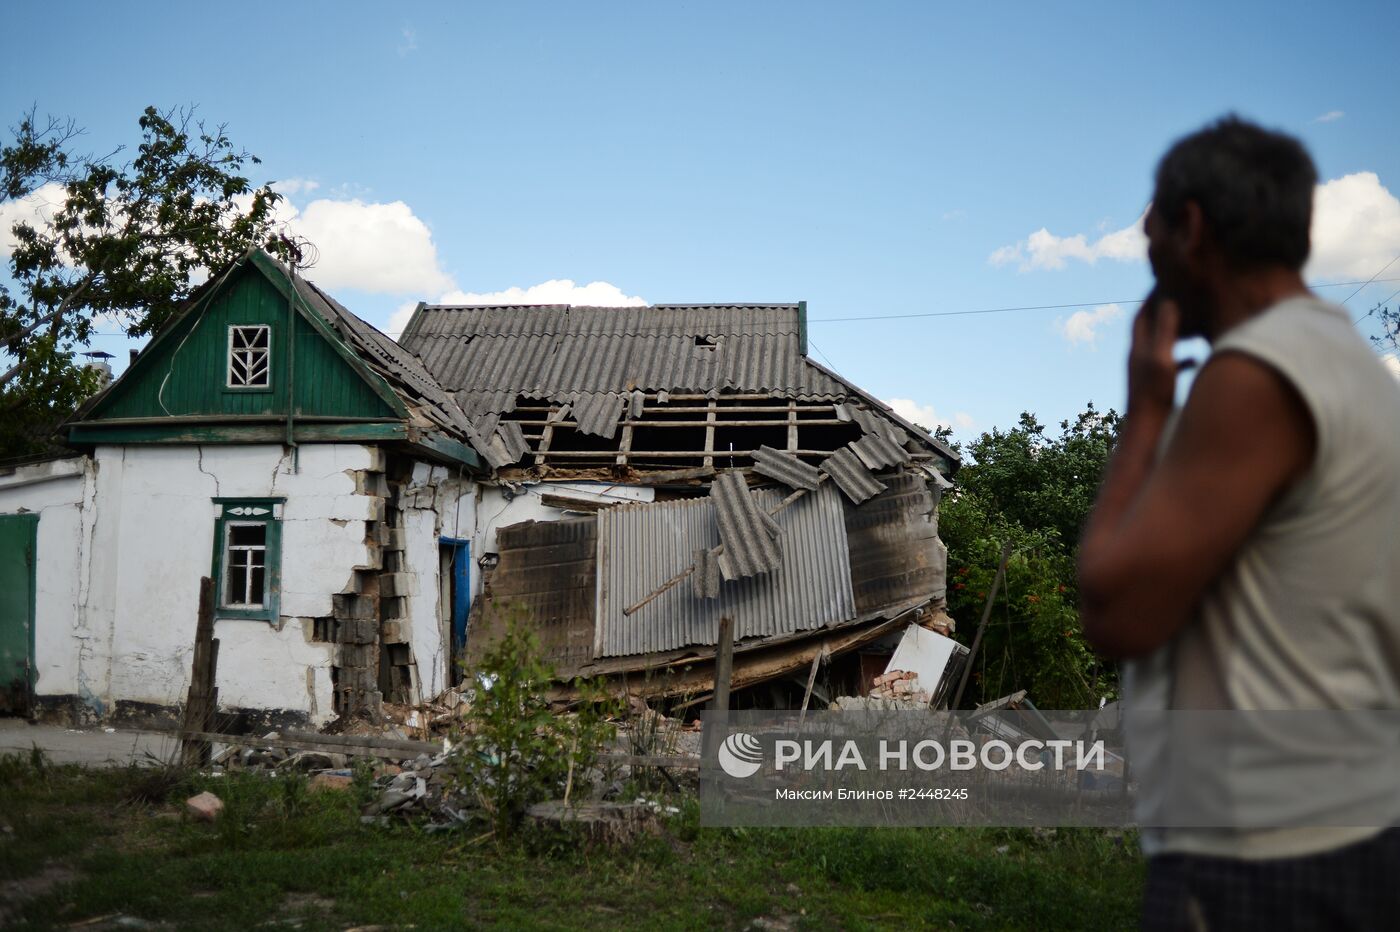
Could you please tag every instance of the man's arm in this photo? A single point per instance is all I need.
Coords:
(1161, 532)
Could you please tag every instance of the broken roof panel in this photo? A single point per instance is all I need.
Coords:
(596, 414)
(848, 472)
(641, 546)
(749, 535)
(786, 468)
(877, 452)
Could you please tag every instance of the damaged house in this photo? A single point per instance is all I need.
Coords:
(374, 513)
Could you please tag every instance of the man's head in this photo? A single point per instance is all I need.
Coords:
(1231, 199)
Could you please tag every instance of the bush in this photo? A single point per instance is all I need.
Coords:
(518, 751)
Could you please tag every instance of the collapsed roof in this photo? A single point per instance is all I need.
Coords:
(559, 388)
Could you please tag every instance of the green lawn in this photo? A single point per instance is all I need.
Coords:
(78, 845)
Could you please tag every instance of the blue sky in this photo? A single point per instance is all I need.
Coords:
(873, 159)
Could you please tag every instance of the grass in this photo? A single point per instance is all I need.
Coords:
(83, 844)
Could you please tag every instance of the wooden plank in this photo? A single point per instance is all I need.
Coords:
(203, 698)
(625, 445)
(724, 664)
(547, 436)
(792, 425)
(710, 434)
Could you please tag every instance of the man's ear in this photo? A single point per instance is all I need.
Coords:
(1191, 233)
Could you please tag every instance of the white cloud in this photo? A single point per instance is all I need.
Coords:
(410, 41)
(554, 291)
(1355, 232)
(292, 186)
(382, 248)
(1044, 250)
(1331, 116)
(1083, 326)
(37, 209)
(1392, 362)
(927, 416)
(1356, 228)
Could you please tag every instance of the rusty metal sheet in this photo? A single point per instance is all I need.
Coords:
(641, 546)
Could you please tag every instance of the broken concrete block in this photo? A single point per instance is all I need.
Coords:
(205, 807)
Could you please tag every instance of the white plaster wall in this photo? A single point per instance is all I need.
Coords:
(55, 492)
(118, 586)
(164, 542)
(503, 506)
(438, 502)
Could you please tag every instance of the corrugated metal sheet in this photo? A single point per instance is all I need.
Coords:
(642, 546)
(786, 468)
(749, 535)
(877, 452)
(848, 472)
(896, 556)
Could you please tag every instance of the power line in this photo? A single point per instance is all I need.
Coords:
(645, 331)
(1056, 307)
(1371, 279)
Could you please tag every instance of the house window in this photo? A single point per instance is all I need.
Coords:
(250, 357)
(247, 556)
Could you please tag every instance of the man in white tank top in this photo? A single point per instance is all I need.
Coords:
(1242, 552)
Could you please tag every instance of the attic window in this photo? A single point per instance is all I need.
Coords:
(250, 356)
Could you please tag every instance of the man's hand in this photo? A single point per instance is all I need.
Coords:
(1152, 370)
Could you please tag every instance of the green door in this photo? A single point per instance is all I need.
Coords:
(18, 534)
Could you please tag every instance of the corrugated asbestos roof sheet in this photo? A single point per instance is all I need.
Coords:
(748, 533)
(404, 371)
(786, 468)
(548, 351)
(642, 546)
(854, 478)
(876, 451)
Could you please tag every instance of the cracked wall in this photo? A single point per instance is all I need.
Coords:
(118, 586)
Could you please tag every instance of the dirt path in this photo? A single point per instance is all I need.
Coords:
(94, 746)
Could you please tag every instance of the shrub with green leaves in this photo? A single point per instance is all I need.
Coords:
(517, 750)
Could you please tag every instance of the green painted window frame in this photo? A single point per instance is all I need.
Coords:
(229, 511)
(232, 389)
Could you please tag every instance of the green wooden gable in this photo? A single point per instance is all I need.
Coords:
(182, 378)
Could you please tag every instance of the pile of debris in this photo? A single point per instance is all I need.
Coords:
(899, 684)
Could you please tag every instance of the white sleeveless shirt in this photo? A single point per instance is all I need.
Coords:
(1307, 616)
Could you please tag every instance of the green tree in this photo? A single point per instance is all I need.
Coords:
(1035, 490)
(125, 240)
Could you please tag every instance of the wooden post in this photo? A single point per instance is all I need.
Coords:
(981, 626)
(724, 675)
(724, 664)
(709, 459)
(203, 698)
(811, 681)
